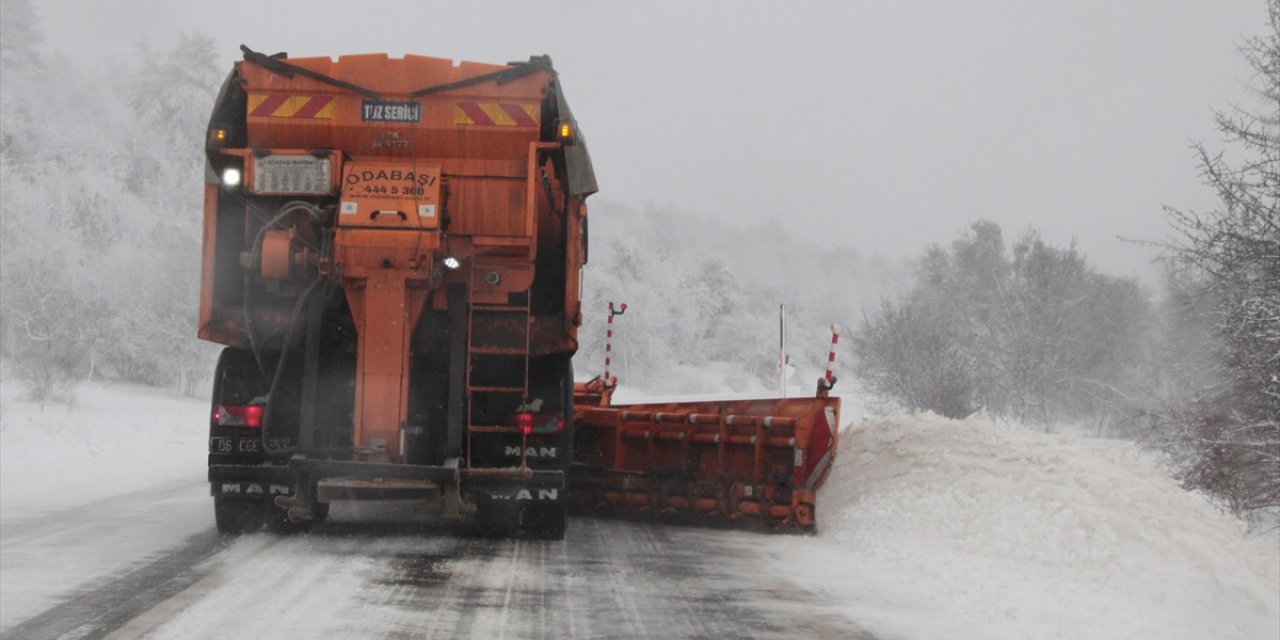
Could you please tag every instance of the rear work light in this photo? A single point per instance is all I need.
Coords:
(231, 415)
(231, 177)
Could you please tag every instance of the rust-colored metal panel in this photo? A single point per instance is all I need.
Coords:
(398, 194)
(208, 254)
(487, 206)
(360, 250)
(574, 260)
(744, 461)
(301, 112)
(386, 310)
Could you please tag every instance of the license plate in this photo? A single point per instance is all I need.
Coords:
(221, 445)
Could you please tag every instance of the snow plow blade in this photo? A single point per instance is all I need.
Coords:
(748, 463)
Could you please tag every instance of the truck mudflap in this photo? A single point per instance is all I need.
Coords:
(750, 463)
(455, 492)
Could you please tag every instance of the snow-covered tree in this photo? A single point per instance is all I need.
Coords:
(20, 36)
(1031, 332)
(1229, 433)
(911, 353)
(100, 213)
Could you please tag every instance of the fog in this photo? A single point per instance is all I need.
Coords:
(939, 196)
(877, 125)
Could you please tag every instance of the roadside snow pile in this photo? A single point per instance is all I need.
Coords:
(113, 439)
(975, 529)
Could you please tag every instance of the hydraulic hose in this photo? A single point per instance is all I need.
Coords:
(298, 308)
(255, 252)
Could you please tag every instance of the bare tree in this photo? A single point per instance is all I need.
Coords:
(1229, 434)
(1030, 332)
(914, 355)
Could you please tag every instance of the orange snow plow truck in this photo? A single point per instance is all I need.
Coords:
(392, 255)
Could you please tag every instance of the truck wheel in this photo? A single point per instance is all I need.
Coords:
(235, 517)
(497, 520)
(546, 522)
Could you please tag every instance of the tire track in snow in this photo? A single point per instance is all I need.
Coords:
(50, 556)
(607, 579)
(106, 606)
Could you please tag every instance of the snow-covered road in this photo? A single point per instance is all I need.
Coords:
(929, 528)
(148, 565)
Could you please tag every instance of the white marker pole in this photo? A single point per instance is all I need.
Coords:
(782, 349)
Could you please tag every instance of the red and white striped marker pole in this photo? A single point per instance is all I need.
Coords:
(608, 343)
(829, 380)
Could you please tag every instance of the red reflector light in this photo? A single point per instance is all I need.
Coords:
(536, 424)
(231, 415)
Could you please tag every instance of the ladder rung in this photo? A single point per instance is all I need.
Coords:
(499, 308)
(490, 429)
(499, 351)
(496, 389)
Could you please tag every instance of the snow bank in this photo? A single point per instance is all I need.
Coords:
(113, 439)
(929, 527)
(975, 529)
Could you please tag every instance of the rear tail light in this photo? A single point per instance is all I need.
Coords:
(231, 415)
(532, 424)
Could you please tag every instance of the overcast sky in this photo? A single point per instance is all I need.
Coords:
(879, 125)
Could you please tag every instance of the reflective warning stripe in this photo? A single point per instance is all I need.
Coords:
(264, 105)
(500, 114)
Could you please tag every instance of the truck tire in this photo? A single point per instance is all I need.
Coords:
(549, 521)
(567, 387)
(497, 521)
(235, 517)
(546, 522)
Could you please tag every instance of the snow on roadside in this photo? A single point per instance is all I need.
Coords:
(933, 527)
(89, 455)
(111, 440)
(929, 527)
